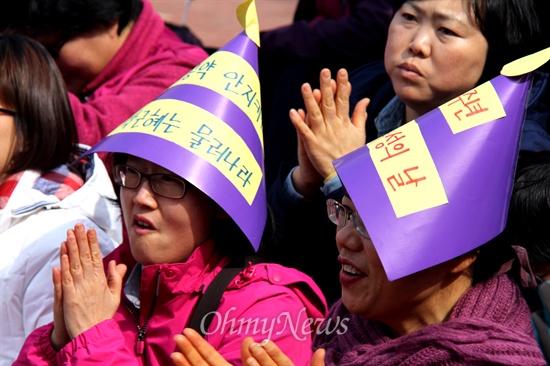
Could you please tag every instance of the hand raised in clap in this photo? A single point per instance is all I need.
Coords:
(193, 350)
(84, 295)
(326, 132)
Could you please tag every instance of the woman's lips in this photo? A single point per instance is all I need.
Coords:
(142, 225)
(409, 71)
(349, 273)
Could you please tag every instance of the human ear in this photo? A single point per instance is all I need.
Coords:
(465, 261)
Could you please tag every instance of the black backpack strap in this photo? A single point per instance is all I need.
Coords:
(210, 300)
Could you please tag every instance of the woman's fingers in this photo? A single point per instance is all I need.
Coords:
(59, 336)
(328, 106)
(182, 345)
(65, 263)
(343, 91)
(359, 117)
(57, 297)
(86, 261)
(73, 258)
(259, 355)
(275, 353)
(245, 351)
(318, 358)
(198, 351)
(314, 112)
(302, 128)
(85, 257)
(115, 274)
(95, 252)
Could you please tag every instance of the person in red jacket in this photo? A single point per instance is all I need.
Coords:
(115, 56)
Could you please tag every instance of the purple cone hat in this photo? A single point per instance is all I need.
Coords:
(207, 128)
(439, 186)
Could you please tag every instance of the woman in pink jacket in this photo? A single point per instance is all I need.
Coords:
(179, 240)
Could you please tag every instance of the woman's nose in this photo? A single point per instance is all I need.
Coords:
(144, 194)
(420, 44)
(349, 238)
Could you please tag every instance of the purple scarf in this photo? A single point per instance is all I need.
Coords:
(490, 324)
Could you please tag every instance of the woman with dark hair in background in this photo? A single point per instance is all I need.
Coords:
(45, 188)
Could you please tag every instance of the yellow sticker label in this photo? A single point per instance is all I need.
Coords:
(231, 76)
(473, 108)
(204, 135)
(407, 170)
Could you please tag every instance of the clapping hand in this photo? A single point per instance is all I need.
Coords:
(83, 295)
(267, 353)
(326, 132)
(193, 350)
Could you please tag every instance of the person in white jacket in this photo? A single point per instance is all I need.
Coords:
(45, 188)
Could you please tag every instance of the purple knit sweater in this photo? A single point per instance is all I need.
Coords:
(490, 324)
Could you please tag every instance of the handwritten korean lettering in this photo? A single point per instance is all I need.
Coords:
(391, 139)
(155, 121)
(407, 171)
(201, 70)
(204, 138)
(199, 136)
(244, 175)
(471, 103)
(232, 77)
(473, 108)
(399, 180)
(215, 149)
(233, 86)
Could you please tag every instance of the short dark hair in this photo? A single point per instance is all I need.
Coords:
(528, 219)
(68, 18)
(512, 29)
(528, 222)
(32, 86)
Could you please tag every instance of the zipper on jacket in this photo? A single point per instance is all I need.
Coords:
(140, 341)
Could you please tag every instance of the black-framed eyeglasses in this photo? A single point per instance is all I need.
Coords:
(164, 185)
(340, 214)
(7, 111)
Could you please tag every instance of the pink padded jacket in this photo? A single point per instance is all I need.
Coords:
(263, 301)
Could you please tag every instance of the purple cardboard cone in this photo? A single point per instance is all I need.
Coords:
(439, 186)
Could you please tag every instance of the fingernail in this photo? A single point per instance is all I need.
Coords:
(266, 344)
(254, 348)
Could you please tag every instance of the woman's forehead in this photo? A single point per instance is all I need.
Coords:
(138, 162)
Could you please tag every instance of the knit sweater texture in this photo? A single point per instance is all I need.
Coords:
(490, 324)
